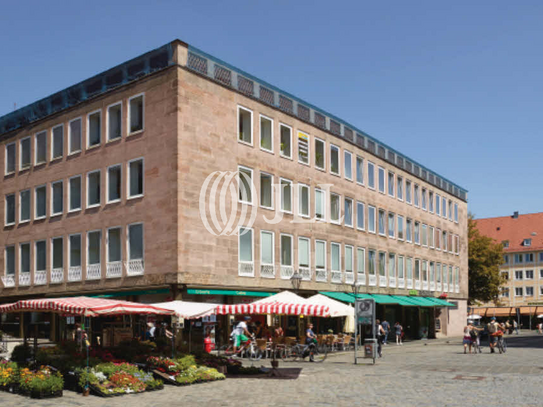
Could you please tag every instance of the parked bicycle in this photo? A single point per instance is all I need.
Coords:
(315, 353)
(248, 349)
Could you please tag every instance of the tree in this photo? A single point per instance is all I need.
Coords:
(485, 257)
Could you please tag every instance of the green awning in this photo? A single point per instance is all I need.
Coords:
(421, 302)
(405, 301)
(230, 292)
(384, 299)
(337, 295)
(439, 302)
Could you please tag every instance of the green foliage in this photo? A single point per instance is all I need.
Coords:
(21, 353)
(185, 362)
(134, 350)
(485, 257)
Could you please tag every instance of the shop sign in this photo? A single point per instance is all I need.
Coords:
(424, 293)
(229, 292)
(413, 292)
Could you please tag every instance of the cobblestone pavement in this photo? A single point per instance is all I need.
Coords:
(435, 374)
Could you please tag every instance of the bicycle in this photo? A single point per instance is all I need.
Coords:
(502, 344)
(317, 354)
(248, 349)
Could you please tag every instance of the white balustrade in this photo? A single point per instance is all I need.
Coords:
(137, 268)
(75, 273)
(361, 278)
(321, 275)
(114, 269)
(267, 270)
(40, 277)
(417, 284)
(373, 280)
(392, 282)
(94, 271)
(401, 283)
(306, 273)
(432, 286)
(336, 276)
(409, 283)
(445, 287)
(457, 288)
(8, 281)
(349, 278)
(24, 279)
(438, 286)
(382, 281)
(287, 272)
(57, 275)
(425, 285)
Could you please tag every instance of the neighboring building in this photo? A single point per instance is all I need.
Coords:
(102, 184)
(522, 240)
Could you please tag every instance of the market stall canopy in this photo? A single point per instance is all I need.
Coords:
(189, 310)
(84, 306)
(337, 309)
(474, 316)
(285, 302)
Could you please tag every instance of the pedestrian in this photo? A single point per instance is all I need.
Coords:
(386, 328)
(515, 326)
(398, 328)
(492, 329)
(540, 327)
(508, 326)
(380, 334)
(467, 338)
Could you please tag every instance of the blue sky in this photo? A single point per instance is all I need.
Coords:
(456, 86)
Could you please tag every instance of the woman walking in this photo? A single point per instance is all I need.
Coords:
(398, 329)
(467, 338)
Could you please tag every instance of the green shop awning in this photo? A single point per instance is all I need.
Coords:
(230, 292)
(384, 299)
(420, 302)
(439, 302)
(405, 301)
(337, 295)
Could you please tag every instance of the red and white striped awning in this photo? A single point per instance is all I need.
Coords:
(84, 306)
(312, 310)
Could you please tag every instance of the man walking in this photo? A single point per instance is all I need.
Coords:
(515, 326)
(386, 328)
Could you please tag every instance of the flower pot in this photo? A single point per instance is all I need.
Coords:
(275, 364)
(86, 392)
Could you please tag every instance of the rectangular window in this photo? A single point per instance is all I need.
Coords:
(286, 250)
(518, 291)
(424, 235)
(114, 183)
(399, 187)
(24, 147)
(245, 253)
(431, 233)
(382, 264)
(24, 206)
(41, 255)
(75, 193)
(381, 180)
(57, 143)
(391, 183)
(320, 255)
(444, 207)
(401, 275)
(303, 252)
(431, 202)
(10, 260)
(335, 208)
(349, 259)
(303, 200)
(371, 175)
(382, 217)
(320, 204)
(518, 258)
(400, 227)
(417, 269)
(391, 266)
(438, 200)
(135, 177)
(94, 129)
(450, 210)
(114, 245)
(529, 291)
(93, 189)
(360, 218)
(266, 190)
(10, 157)
(286, 195)
(334, 159)
(74, 138)
(135, 241)
(407, 191)
(438, 239)
(40, 201)
(371, 262)
(529, 274)
(114, 121)
(424, 207)
(335, 256)
(408, 230)
(417, 232)
(93, 247)
(266, 134)
(348, 165)
(245, 125)
(136, 114)
(444, 241)
(371, 219)
(391, 225)
(456, 212)
(75, 250)
(24, 258)
(360, 261)
(57, 198)
(416, 194)
(58, 252)
(424, 270)
(360, 170)
(320, 154)
(438, 273)
(303, 148)
(245, 184)
(506, 260)
(41, 147)
(529, 258)
(348, 212)
(285, 148)
(267, 249)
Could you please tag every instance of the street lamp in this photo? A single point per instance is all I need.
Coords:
(296, 280)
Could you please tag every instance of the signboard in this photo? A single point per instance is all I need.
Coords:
(365, 311)
(413, 292)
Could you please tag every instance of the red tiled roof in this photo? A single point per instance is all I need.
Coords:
(515, 231)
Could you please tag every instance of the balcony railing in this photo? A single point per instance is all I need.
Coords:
(57, 275)
(409, 283)
(94, 271)
(137, 268)
(321, 275)
(114, 269)
(382, 281)
(40, 277)
(372, 281)
(24, 279)
(267, 270)
(361, 278)
(425, 285)
(417, 284)
(287, 272)
(432, 286)
(438, 286)
(305, 272)
(392, 282)
(349, 278)
(8, 281)
(445, 287)
(457, 288)
(75, 273)
(336, 277)
(401, 283)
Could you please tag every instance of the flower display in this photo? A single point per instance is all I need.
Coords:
(43, 381)
(9, 373)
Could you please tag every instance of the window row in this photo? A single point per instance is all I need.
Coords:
(342, 261)
(59, 253)
(519, 258)
(57, 139)
(521, 292)
(354, 167)
(74, 187)
(331, 206)
(523, 274)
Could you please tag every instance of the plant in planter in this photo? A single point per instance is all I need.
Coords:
(41, 383)
(9, 376)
